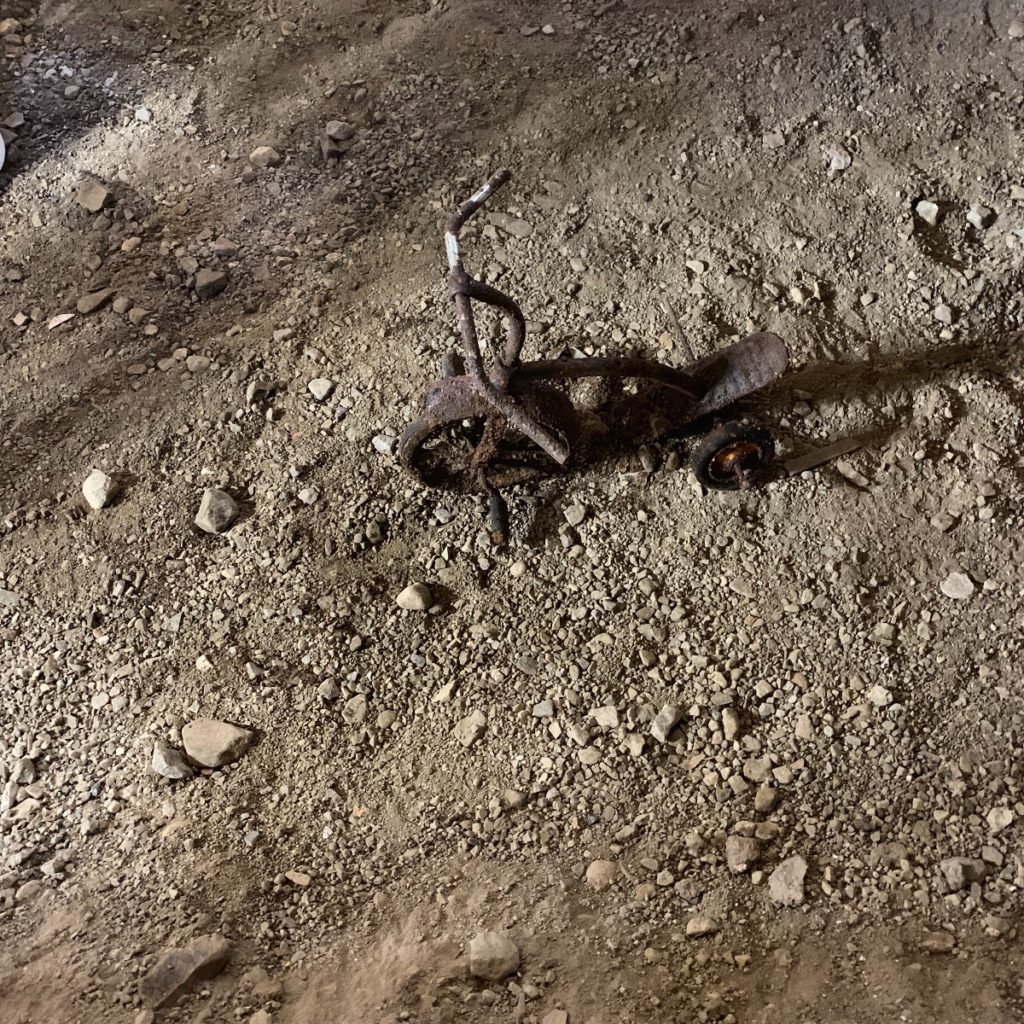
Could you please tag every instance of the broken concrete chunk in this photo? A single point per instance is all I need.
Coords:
(493, 956)
(957, 586)
(960, 872)
(600, 874)
(320, 388)
(213, 744)
(979, 216)
(742, 853)
(217, 511)
(700, 927)
(179, 969)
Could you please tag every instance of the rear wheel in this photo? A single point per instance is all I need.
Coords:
(733, 456)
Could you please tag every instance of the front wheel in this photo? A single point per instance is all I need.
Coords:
(733, 456)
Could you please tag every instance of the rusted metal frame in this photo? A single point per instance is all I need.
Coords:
(508, 358)
(611, 366)
(461, 288)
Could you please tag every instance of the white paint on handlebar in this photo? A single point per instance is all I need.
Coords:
(451, 247)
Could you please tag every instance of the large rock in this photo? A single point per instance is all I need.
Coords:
(179, 969)
(209, 283)
(217, 511)
(92, 196)
(961, 872)
(601, 874)
(213, 744)
(99, 489)
(786, 882)
(493, 956)
(265, 156)
(415, 598)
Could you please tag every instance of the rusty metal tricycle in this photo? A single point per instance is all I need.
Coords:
(485, 429)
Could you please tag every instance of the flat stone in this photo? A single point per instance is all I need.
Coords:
(600, 874)
(415, 598)
(99, 489)
(493, 956)
(213, 744)
(606, 717)
(1016, 29)
(320, 388)
(92, 196)
(170, 763)
(938, 942)
(180, 969)
(217, 511)
(665, 721)
(512, 225)
(209, 282)
(701, 926)
(265, 156)
(92, 301)
(786, 882)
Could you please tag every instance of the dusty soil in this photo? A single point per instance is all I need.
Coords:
(842, 644)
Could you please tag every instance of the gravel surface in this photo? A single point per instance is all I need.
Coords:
(285, 738)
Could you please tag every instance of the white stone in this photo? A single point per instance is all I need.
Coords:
(415, 598)
(928, 212)
(957, 586)
(99, 489)
(320, 388)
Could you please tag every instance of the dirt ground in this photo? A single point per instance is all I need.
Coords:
(837, 652)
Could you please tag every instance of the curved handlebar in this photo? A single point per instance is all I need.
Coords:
(454, 223)
(476, 200)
